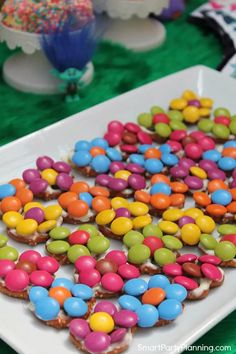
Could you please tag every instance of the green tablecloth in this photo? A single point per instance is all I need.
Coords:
(117, 71)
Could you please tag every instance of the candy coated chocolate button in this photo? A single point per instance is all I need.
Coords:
(211, 272)
(188, 257)
(106, 266)
(27, 266)
(172, 270)
(188, 283)
(209, 259)
(192, 269)
(126, 318)
(97, 342)
(106, 306)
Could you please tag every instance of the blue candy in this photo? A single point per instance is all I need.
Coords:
(153, 165)
(7, 190)
(227, 163)
(86, 197)
(165, 148)
(135, 287)
(64, 282)
(82, 291)
(47, 309)
(75, 307)
(213, 155)
(138, 159)
(147, 316)
(221, 196)
(231, 143)
(176, 291)
(129, 302)
(113, 154)
(143, 148)
(37, 293)
(160, 187)
(100, 142)
(170, 309)
(83, 145)
(169, 159)
(158, 281)
(82, 158)
(100, 163)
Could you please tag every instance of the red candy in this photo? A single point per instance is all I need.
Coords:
(209, 259)
(144, 138)
(132, 127)
(188, 283)
(129, 148)
(222, 120)
(161, 118)
(153, 243)
(230, 237)
(178, 135)
(79, 237)
(211, 272)
(188, 257)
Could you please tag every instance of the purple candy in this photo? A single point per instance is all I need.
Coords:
(195, 103)
(38, 186)
(116, 166)
(118, 335)
(61, 166)
(30, 175)
(79, 328)
(135, 168)
(97, 342)
(123, 212)
(216, 174)
(64, 181)
(44, 162)
(137, 182)
(117, 184)
(106, 306)
(126, 318)
(103, 180)
(233, 184)
(207, 165)
(193, 182)
(36, 214)
(185, 220)
(234, 173)
(186, 163)
(179, 171)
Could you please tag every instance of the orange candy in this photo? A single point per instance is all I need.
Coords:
(142, 196)
(101, 203)
(10, 204)
(229, 152)
(153, 296)
(60, 294)
(231, 208)
(177, 199)
(18, 183)
(79, 187)
(25, 195)
(159, 177)
(67, 198)
(152, 153)
(160, 201)
(216, 210)
(201, 198)
(216, 184)
(179, 187)
(97, 150)
(78, 208)
(99, 191)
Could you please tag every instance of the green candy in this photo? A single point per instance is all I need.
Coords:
(163, 130)
(221, 131)
(59, 233)
(208, 241)
(3, 240)
(225, 250)
(138, 254)
(221, 111)
(8, 252)
(145, 119)
(77, 251)
(232, 127)
(133, 238)
(152, 230)
(227, 229)
(58, 247)
(91, 229)
(172, 242)
(175, 115)
(233, 117)
(205, 125)
(175, 125)
(164, 256)
(156, 110)
(98, 244)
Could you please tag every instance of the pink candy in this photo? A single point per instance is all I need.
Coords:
(115, 126)
(194, 151)
(188, 257)
(211, 271)
(85, 263)
(188, 283)
(209, 259)
(128, 271)
(129, 148)
(178, 135)
(207, 143)
(126, 318)
(106, 306)
(117, 257)
(90, 278)
(172, 269)
(112, 282)
(31, 256)
(41, 278)
(222, 120)
(175, 145)
(112, 138)
(132, 127)
(48, 264)
(5, 267)
(17, 280)
(144, 138)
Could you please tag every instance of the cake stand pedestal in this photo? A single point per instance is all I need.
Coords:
(128, 22)
(29, 70)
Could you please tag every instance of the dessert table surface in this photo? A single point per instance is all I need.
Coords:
(117, 71)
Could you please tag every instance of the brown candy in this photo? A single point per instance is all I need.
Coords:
(27, 266)
(192, 269)
(188, 140)
(106, 266)
(129, 138)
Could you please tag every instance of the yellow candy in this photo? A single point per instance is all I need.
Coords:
(121, 225)
(101, 322)
(206, 102)
(49, 175)
(138, 208)
(119, 202)
(190, 234)
(206, 224)
(178, 103)
(191, 114)
(31, 205)
(198, 172)
(172, 214)
(193, 213)
(12, 219)
(26, 227)
(52, 212)
(204, 112)
(123, 174)
(189, 95)
(141, 221)
(47, 226)
(168, 227)
(105, 217)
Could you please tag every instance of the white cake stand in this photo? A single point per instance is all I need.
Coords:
(130, 24)
(29, 70)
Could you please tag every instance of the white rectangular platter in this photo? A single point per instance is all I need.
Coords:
(17, 325)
